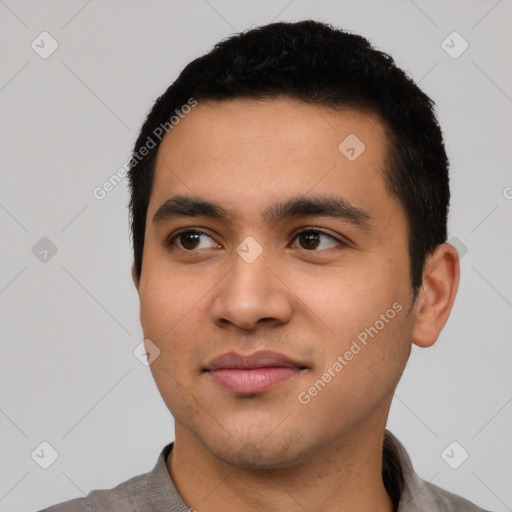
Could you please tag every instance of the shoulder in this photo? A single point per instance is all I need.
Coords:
(150, 491)
(413, 493)
(123, 497)
(433, 497)
(76, 505)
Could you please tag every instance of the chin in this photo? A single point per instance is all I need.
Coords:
(250, 451)
(250, 456)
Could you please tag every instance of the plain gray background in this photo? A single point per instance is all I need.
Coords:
(69, 324)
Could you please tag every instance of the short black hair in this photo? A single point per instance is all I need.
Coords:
(320, 65)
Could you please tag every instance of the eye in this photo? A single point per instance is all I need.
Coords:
(311, 240)
(190, 240)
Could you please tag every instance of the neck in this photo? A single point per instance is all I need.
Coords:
(345, 475)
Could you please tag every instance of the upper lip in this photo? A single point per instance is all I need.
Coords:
(260, 359)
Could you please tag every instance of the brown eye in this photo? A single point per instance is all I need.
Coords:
(311, 240)
(191, 240)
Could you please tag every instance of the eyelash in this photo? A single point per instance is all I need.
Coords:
(170, 241)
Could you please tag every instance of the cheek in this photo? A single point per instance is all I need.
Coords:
(168, 316)
(166, 298)
(366, 311)
(352, 298)
(360, 371)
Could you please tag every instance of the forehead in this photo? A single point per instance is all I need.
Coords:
(248, 153)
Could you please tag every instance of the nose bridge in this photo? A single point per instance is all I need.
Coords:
(251, 292)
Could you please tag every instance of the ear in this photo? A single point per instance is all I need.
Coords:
(437, 294)
(135, 277)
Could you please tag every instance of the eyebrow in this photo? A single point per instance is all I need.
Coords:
(295, 207)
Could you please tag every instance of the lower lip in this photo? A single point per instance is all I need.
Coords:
(252, 381)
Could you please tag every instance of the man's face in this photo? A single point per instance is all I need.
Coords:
(261, 279)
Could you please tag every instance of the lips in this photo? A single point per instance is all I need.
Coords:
(254, 373)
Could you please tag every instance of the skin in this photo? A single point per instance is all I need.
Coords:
(268, 451)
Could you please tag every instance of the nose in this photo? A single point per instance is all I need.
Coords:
(252, 295)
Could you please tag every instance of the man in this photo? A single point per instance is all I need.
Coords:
(289, 197)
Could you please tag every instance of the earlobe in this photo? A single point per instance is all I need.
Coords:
(437, 294)
(135, 277)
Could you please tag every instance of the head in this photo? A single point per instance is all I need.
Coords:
(288, 126)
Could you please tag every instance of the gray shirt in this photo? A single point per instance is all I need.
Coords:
(155, 491)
